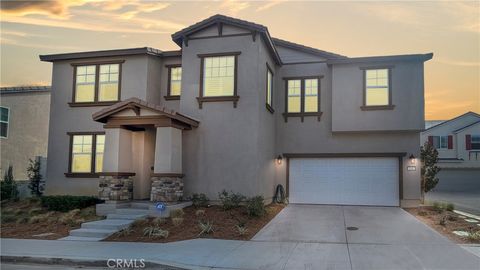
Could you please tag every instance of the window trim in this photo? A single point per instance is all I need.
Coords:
(440, 142)
(92, 173)
(471, 142)
(366, 107)
(169, 80)
(95, 101)
(8, 122)
(234, 98)
(302, 114)
(269, 106)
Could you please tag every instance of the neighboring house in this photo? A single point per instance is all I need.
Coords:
(457, 141)
(236, 109)
(24, 126)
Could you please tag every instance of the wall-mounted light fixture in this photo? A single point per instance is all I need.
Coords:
(412, 159)
(279, 159)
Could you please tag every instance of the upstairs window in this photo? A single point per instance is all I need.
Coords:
(475, 142)
(311, 95)
(174, 87)
(219, 76)
(269, 90)
(97, 83)
(302, 97)
(294, 96)
(377, 89)
(440, 142)
(4, 120)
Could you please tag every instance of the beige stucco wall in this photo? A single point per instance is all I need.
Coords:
(27, 130)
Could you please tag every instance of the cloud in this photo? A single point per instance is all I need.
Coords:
(458, 63)
(233, 7)
(51, 8)
(269, 5)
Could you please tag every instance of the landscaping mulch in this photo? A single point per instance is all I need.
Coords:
(224, 225)
(433, 217)
(18, 221)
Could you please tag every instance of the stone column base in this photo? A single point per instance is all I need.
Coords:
(116, 186)
(166, 187)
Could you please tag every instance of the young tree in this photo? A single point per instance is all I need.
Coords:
(429, 171)
(36, 183)
(8, 185)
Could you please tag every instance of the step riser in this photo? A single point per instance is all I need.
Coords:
(90, 234)
(104, 226)
(126, 217)
(130, 211)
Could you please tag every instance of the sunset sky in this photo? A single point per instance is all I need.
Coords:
(451, 30)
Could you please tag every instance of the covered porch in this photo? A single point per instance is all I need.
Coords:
(143, 152)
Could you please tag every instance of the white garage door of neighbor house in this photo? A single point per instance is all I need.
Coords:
(347, 181)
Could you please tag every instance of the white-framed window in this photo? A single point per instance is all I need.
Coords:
(269, 90)
(4, 121)
(219, 76)
(86, 154)
(475, 142)
(294, 93)
(440, 142)
(175, 81)
(377, 87)
(97, 83)
(108, 83)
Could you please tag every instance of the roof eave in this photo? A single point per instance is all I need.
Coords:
(103, 53)
(376, 59)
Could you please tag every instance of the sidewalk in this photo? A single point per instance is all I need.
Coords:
(228, 254)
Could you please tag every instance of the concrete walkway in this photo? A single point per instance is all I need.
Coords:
(387, 238)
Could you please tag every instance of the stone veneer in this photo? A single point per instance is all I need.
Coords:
(167, 188)
(115, 187)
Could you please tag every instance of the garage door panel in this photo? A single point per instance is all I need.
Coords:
(349, 181)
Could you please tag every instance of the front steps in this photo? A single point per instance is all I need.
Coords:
(119, 217)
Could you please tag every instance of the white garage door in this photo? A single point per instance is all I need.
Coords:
(349, 181)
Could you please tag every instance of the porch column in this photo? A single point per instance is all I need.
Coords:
(116, 180)
(167, 182)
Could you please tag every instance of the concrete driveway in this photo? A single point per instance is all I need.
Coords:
(386, 238)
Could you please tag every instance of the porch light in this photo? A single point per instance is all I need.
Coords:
(412, 159)
(279, 159)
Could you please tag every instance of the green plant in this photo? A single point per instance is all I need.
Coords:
(8, 187)
(429, 169)
(65, 203)
(71, 218)
(125, 232)
(443, 220)
(230, 200)
(200, 200)
(200, 212)
(36, 184)
(177, 213)
(451, 218)
(22, 220)
(205, 227)
(154, 231)
(8, 218)
(35, 211)
(474, 235)
(450, 207)
(159, 221)
(422, 213)
(242, 230)
(177, 221)
(437, 207)
(255, 206)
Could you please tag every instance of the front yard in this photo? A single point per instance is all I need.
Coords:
(195, 222)
(28, 219)
(458, 228)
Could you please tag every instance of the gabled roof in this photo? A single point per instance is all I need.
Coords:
(310, 50)
(104, 114)
(24, 89)
(453, 119)
(467, 126)
(179, 36)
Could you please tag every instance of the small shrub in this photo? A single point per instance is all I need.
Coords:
(451, 218)
(154, 231)
(71, 218)
(437, 207)
(18, 212)
(230, 200)
(22, 220)
(65, 203)
(200, 200)
(8, 187)
(177, 213)
(37, 184)
(474, 236)
(37, 219)
(422, 213)
(8, 218)
(177, 221)
(443, 220)
(159, 221)
(255, 206)
(242, 230)
(450, 207)
(125, 232)
(205, 227)
(200, 212)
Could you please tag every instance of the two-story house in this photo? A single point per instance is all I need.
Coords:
(239, 110)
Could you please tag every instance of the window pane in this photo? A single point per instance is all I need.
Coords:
(108, 85)
(85, 84)
(100, 147)
(269, 87)
(175, 81)
(311, 95)
(218, 77)
(3, 129)
(294, 92)
(436, 141)
(85, 93)
(443, 142)
(4, 114)
(82, 153)
(376, 96)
